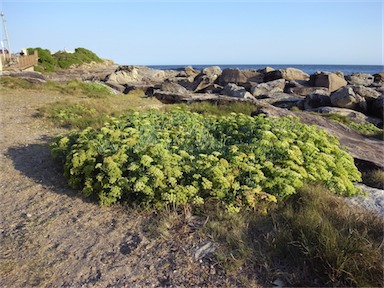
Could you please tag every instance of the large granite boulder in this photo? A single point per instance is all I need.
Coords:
(268, 87)
(379, 78)
(360, 79)
(233, 90)
(205, 78)
(304, 91)
(376, 107)
(345, 97)
(312, 101)
(245, 78)
(364, 149)
(332, 81)
(232, 75)
(287, 74)
(168, 86)
(282, 100)
(124, 75)
(366, 92)
(356, 116)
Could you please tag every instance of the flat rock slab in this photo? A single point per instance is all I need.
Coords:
(170, 97)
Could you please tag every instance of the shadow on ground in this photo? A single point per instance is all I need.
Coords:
(35, 161)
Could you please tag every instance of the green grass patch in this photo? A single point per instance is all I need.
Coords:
(74, 115)
(72, 87)
(312, 239)
(365, 128)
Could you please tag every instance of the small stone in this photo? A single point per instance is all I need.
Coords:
(204, 250)
(278, 283)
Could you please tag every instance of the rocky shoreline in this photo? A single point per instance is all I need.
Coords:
(358, 96)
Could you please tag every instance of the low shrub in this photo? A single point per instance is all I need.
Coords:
(178, 158)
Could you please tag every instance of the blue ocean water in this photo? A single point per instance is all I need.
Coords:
(310, 69)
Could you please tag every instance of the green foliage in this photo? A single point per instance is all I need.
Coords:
(365, 128)
(47, 63)
(63, 60)
(218, 109)
(74, 115)
(81, 55)
(92, 90)
(157, 158)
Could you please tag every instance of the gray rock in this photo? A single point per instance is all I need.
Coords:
(123, 77)
(373, 200)
(376, 107)
(203, 250)
(173, 87)
(233, 90)
(332, 81)
(366, 92)
(268, 87)
(379, 77)
(352, 114)
(312, 101)
(287, 74)
(240, 77)
(190, 71)
(360, 79)
(345, 97)
(115, 86)
(232, 75)
(266, 70)
(205, 79)
(304, 91)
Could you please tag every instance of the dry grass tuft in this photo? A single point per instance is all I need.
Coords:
(313, 239)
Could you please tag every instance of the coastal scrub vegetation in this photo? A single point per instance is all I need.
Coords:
(49, 62)
(178, 158)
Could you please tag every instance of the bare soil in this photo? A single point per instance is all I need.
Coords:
(52, 237)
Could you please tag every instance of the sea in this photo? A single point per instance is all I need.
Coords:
(310, 69)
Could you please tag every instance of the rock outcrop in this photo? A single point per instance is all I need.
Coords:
(360, 79)
(268, 87)
(205, 78)
(332, 81)
(345, 97)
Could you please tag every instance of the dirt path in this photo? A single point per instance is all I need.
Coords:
(51, 237)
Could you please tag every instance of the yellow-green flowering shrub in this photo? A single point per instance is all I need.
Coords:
(157, 158)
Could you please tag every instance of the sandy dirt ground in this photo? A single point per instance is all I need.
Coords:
(52, 237)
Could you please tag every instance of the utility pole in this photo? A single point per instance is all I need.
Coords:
(6, 35)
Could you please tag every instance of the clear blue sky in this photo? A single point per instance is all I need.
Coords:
(203, 32)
